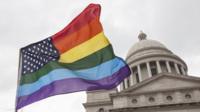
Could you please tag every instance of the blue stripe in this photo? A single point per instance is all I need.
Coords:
(101, 71)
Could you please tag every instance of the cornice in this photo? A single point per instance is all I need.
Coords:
(100, 103)
(158, 107)
(149, 48)
(158, 55)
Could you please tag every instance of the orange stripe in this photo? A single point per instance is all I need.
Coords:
(88, 31)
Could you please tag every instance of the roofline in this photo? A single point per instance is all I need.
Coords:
(147, 81)
(193, 104)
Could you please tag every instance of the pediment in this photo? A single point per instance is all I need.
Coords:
(164, 82)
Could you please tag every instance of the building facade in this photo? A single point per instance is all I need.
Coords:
(159, 82)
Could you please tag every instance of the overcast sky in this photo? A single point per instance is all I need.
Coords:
(175, 23)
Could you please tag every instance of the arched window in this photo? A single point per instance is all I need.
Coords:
(188, 96)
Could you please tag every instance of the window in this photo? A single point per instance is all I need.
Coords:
(171, 64)
(123, 84)
(128, 82)
(153, 68)
(188, 96)
(163, 66)
(137, 77)
(134, 101)
(179, 68)
(135, 72)
(154, 71)
(151, 99)
(169, 98)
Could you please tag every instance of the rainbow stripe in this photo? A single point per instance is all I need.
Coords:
(86, 62)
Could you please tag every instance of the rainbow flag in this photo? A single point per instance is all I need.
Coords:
(78, 58)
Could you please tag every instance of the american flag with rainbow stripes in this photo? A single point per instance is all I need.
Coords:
(78, 58)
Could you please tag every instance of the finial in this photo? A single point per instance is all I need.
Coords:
(142, 36)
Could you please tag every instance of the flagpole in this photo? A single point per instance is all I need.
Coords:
(18, 78)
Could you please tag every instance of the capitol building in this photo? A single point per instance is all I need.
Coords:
(159, 82)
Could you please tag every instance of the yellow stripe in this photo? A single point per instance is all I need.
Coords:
(92, 45)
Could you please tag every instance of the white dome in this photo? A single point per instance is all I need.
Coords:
(144, 44)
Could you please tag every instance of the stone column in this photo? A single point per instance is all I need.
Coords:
(139, 73)
(158, 67)
(131, 80)
(183, 71)
(168, 67)
(125, 83)
(149, 69)
(176, 67)
(121, 86)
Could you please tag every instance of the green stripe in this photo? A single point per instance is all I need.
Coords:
(92, 60)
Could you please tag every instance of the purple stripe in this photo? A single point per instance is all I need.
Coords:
(73, 85)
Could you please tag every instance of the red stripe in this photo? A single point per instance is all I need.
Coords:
(87, 15)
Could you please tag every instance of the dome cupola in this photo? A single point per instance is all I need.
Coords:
(148, 58)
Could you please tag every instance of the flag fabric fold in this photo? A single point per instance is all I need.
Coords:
(78, 58)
